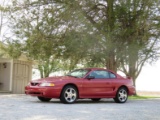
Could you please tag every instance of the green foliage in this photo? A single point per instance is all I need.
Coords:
(35, 34)
(47, 67)
(136, 32)
(12, 49)
(128, 33)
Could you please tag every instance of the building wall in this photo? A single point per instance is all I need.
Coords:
(22, 72)
(5, 74)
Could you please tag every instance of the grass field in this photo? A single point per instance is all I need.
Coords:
(145, 95)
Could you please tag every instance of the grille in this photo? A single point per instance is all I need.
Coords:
(34, 84)
(35, 93)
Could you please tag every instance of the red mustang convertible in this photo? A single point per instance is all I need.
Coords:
(92, 83)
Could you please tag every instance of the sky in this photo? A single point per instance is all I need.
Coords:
(149, 78)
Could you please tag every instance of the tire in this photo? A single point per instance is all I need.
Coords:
(69, 94)
(96, 99)
(43, 99)
(121, 96)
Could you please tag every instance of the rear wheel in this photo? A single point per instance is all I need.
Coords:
(69, 94)
(96, 99)
(43, 99)
(121, 96)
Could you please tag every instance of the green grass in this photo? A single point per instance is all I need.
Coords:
(137, 97)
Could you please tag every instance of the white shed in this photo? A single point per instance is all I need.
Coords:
(14, 75)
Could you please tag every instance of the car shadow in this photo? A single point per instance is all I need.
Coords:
(93, 102)
(80, 101)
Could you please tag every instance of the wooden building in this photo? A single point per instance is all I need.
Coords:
(14, 75)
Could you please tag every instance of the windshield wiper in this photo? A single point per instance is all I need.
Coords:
(72, 76)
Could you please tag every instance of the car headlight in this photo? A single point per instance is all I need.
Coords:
(47, 84)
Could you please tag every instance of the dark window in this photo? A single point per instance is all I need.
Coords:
(101, 74)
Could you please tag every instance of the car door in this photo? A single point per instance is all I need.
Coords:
(98, 84)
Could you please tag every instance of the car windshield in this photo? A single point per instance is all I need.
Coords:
(80, 73)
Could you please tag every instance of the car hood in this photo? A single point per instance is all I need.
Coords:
(51, 79)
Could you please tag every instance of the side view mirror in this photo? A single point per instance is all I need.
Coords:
(129, 77)
(90, 77)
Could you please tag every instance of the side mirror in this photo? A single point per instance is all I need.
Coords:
(90, 77)
(129, 77)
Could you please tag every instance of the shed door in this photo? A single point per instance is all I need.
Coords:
(21, 76)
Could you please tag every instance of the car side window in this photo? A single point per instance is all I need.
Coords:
(112, 75)
(101, 74)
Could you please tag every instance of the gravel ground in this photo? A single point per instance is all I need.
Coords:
(22, 107)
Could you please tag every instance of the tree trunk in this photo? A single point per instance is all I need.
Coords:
(132, 66)
(111, 63)
(111, 60)
(40, 70)
(110, 14)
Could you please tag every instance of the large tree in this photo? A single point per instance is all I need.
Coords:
(139, 32)
(128, 32)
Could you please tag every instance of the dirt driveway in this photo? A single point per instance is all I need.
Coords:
(22, 107)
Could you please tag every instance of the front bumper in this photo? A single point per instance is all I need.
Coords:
(132, 90)
(49, 92)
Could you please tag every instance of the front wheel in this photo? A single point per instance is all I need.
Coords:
(121, 96)
(43, 99)
(69, 94)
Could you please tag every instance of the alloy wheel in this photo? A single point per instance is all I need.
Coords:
(122, 95)
(70, 95)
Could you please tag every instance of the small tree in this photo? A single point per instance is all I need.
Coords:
(35, 30)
